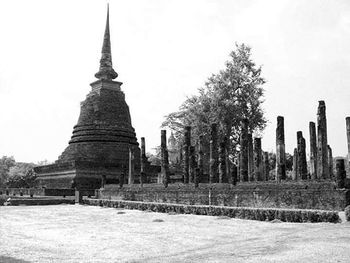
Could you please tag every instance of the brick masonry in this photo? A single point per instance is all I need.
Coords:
(310, 195)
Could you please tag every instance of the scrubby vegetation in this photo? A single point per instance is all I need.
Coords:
(261, 214)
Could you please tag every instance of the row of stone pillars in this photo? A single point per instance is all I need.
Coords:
(193, 166)
(253, 163)
(131, 166)
(321, 157)
(193, 162)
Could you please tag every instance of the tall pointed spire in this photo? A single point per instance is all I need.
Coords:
(106, 71)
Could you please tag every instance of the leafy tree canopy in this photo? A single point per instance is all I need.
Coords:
(16, 174)
(226, 98)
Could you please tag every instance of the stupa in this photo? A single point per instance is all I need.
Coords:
(103, 138)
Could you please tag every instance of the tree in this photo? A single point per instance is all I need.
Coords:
(227, 97)
(5, 164)
(21, 175)
(154, 159)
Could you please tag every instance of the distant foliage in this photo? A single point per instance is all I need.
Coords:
(154, 158)
(5, 164)
(227, 97)
(16, 174)
(21, 175)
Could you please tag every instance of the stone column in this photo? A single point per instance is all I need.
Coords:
(348, 136)
(313, 151)
(143, 161)
(103, 181)
(295, 165)
(222, 163)
(330, 161)
(239, 178)
(234, 174)
(213, 171)
(322, 155)
(131, 167)
(340, 173)
(193, 165)
(250, 159)
(244, 151)
(227, 161)
(280, 150)
(121, 179)
(257, 160)
(164, 159)
(196, 177)
(186, 154)
(266, 166)
(78, 197)
(180, 155)
(302, 164)
(200, 160)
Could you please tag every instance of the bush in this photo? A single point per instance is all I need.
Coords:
(261, 214)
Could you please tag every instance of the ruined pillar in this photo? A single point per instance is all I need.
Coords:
(257, 160)
(280, 150)
(222, 163)
(330, 161)
(196, 178)
(186, 154)
(313, 151)
(234, 172)
(143, 161)
(213, 170)
(348, 136)
(340, 173)
(193, 165)
(266, 165)
(244, 151)
(131, 167)
(322, 153)
(295, 165)
(227, 161)
(164, 159)
(103, 181)
(78, 197)
(250, 158)
(302, 164)
(200, 161)
(122, 176)
(239, 178)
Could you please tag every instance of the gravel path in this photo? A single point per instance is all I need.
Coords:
(75, 233)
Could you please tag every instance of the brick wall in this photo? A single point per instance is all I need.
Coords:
(315, 195)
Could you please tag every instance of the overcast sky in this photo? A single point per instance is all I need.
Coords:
(164, 51)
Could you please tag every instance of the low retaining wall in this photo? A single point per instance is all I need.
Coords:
(37, 201)
(296, 195)
(261, 214)
(44, 192)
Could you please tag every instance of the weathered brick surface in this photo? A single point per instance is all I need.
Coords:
(99, 145)
(311, 195)
(101, 140)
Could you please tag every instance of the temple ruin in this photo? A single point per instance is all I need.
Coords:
(104, 155)
(102, 139)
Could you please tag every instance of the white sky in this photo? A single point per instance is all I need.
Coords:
(163, 51)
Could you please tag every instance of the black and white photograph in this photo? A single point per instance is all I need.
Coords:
(177, 131)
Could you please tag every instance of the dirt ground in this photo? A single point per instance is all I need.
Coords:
(76, 233)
